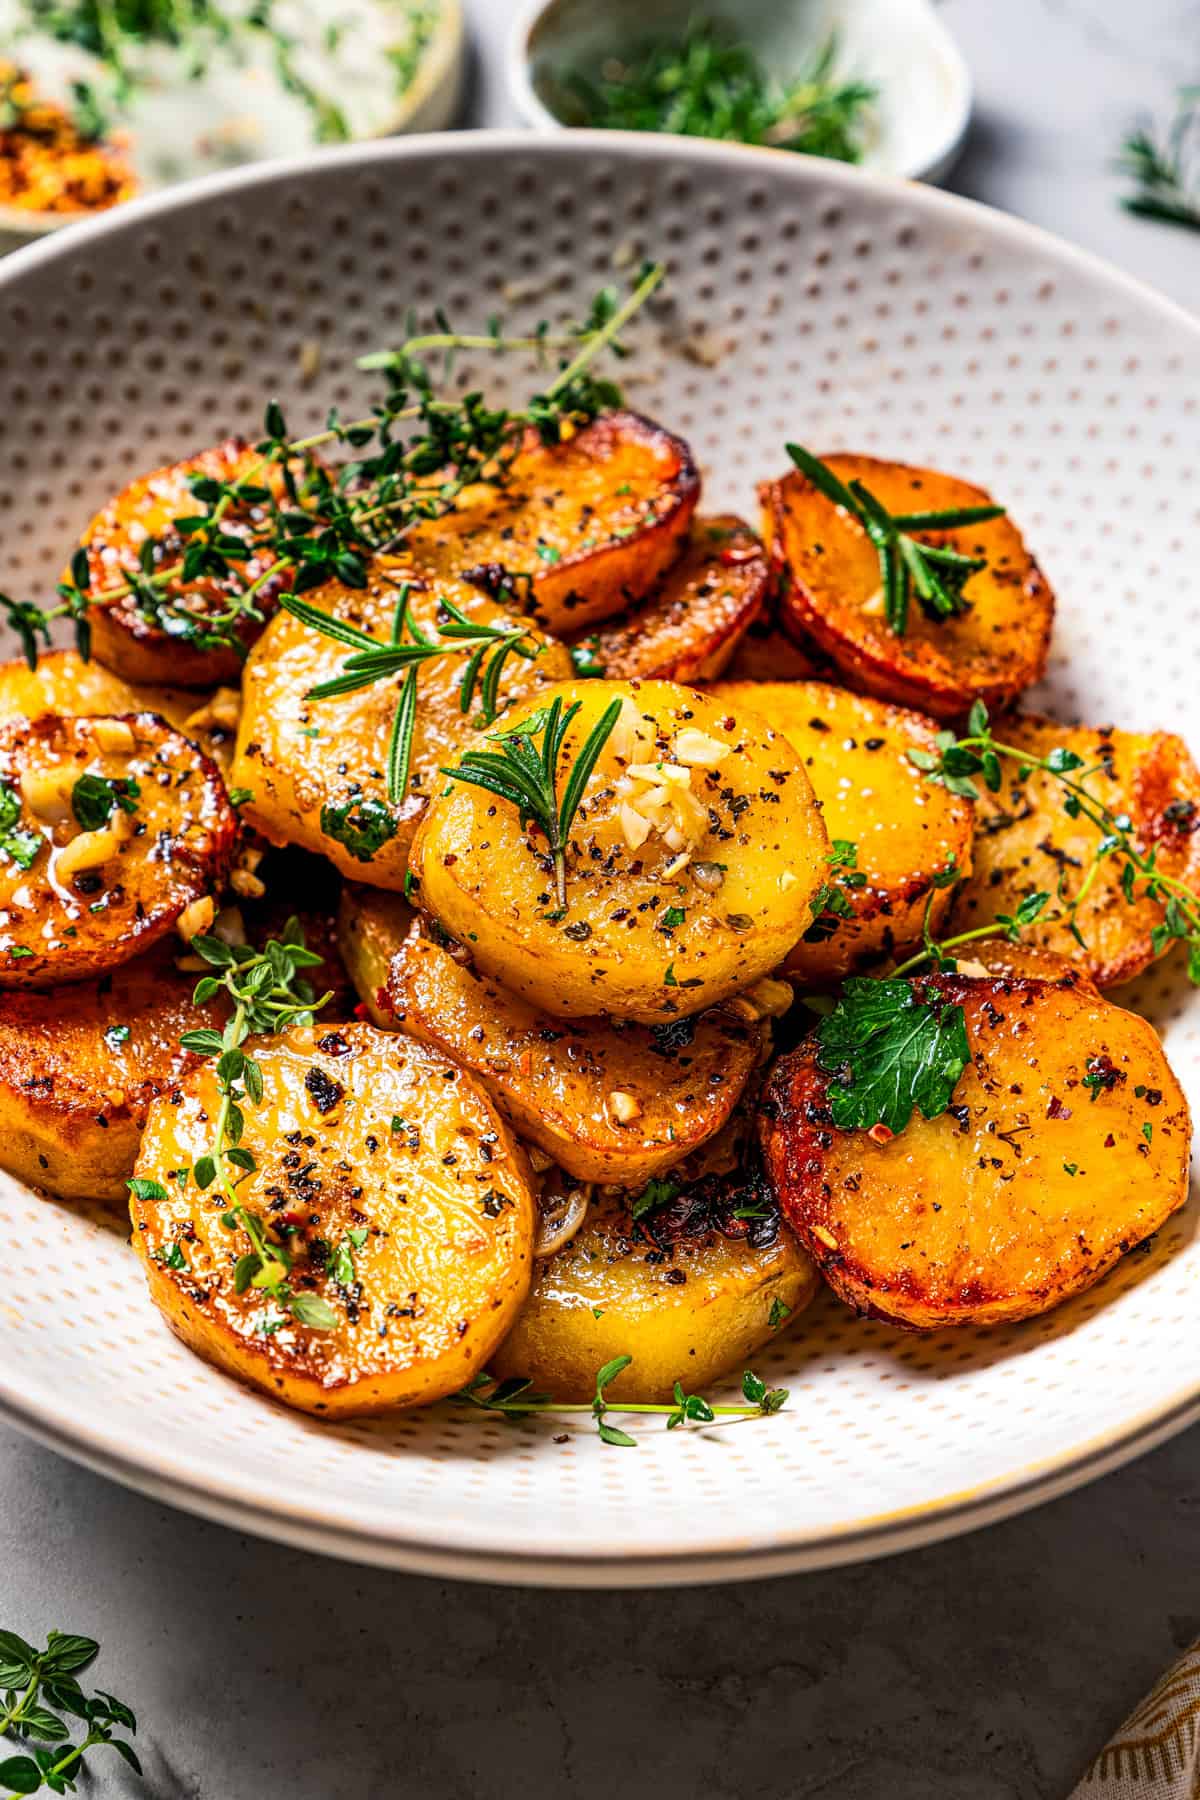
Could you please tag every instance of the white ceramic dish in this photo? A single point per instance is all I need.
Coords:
(238, 113)
(901, 46)
(842, 309)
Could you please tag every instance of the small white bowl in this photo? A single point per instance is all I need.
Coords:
(901, 46)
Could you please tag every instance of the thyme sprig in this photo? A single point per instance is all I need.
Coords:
(524, 771)
(1165, 171)
(957, 760)
(515, 1399)
(267, 994)
(935, 573)
(487, 648)
(40, 1696)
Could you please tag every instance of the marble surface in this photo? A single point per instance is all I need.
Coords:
(984, 1669)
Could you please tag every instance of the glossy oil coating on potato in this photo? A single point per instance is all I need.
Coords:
(578, 530)
(904, 829)
(690, 1291)
(64, 683)
(831, 578)
(1027, 843)
(138, 647)
(998, 956)
(609, 1101)
(1067, 1143)
(81, 892)
(316, 769)
(689, 869)
(690, 628)
(402, 1199)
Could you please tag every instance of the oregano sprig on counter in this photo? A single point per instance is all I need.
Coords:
(40, 1699)
(935, 573)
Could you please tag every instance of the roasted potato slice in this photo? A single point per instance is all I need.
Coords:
(64, 683)
(1067, 1143)
(114, 828)
(905, 832)
(1000, 957)
(316, 769)
(690, 628)
(689, 870)
(608, 1102)
(831, 592)
(135, 646)
(576, 532)
(404, 1203)
(1027, 843)
(690, 1291)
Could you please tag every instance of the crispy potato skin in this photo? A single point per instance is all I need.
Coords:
(688, 1292)
(297, 756)
(1026, 842)
(906, 829)
(998, 957)
(582, 528)
(446, 1262)
(614, 952)
(132, 645)
(55, 927)
(64, 683)
(972, 1218)
(554, 1080)
(73, 1101)
(830, 571)
(692, 626)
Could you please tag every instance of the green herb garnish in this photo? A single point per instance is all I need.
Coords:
(21, 847)
(515, 1399)
(41, 1700)
(1165, 171)
(891, 1047)
(95, 797)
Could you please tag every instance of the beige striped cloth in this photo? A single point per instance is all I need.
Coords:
(1156, 1753)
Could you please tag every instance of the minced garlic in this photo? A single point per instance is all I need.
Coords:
(654, 793)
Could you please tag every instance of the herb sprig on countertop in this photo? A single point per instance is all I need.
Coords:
(935, 573)
(267, 995)
(41, 1698)
(524, 771)
(708, 85)
(957, 760)
(1165, 170)
(515, 1399)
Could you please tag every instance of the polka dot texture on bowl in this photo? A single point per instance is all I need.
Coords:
(803, 302)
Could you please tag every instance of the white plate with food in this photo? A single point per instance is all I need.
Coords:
(757, 966)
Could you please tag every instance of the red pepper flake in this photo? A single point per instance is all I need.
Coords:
(1109, 1141)
(1056, 1109)
(880, 1134)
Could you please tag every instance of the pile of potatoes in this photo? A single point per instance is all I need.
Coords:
(528, 1139)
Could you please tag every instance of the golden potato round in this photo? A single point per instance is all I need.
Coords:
(316, 769)
(137, 647)
(1067, 1142)
(997, 956)
(576, 531)
(905, 830)
(64, 683)
(689, 870)
(691, 626)
(1028, 844)
(609, 1101)
(689, 1291)
(115, 827)
(402, 1200)
(831, 585)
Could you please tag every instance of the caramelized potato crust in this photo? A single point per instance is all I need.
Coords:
(905, 830)
(1067, 1143)
(831, 584)
(368, 1147)
(92, 898)
(64, 683)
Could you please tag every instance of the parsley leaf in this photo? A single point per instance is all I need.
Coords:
(363, 824)
(892, 1049)
(20, 847)
(94, 796)
(660, 1190)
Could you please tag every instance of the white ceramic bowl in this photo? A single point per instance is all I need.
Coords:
(902, 46)
(845, 310)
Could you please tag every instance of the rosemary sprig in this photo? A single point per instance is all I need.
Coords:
(1165, 171)
(487, 648)
(525, 773)
(515, 1399)
(40, 1694)
(267, 994)
(934, 572)
(957, 760)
